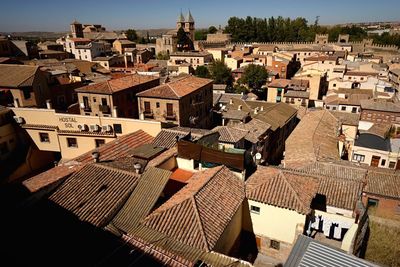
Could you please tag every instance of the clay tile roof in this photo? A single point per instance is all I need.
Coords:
(255, 129)
(314, 139)
(116, 85)
(383, 184)
(340, 193)
(177, 88)
(380, 105)
(199, 213)
(142, 199)
(347, 118)
(95, 193)
(282, 188)
(119, 148)
(230, 134)
(16, 76)
(279, 83)
(167, 137)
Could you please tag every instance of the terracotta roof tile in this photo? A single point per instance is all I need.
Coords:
(383, 184)
(315, 138)
(119, 148)
(95, 193)
(282, 188)
(230, 134)
(199, 213)
(116, 85)
(177, 88)
(15, 76)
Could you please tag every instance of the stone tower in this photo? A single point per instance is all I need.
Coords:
(321, 38)
(76, 29)
(189, 25)
(343, 38)
(180, 22)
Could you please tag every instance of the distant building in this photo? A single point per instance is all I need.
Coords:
(116, 97)
(27, 84)
(168, 42)
(185, 102)
(121, 45)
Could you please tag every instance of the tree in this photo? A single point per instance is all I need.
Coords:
(212, 29)
(131, 35)
(162, 56)
(202, 72)
(220, 73)
(254, 76)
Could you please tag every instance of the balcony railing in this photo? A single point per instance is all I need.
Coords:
(104, 108)
(87, 108)
(148, 113)
(170, 115)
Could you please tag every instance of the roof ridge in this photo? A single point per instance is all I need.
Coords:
(37, 68)
(199, 222)
(169, 86)
(109, 86)
(112, 169)
(292, 189)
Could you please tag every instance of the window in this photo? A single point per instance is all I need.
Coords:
(275, 244)
(354, 110)
(333, 108)
(392, 164)
(71, 142)
(44, 137)
(383, 162)
(104, 101)
(372, 202)
(255, 209)
(334, 85)
(94, 99)
(99, 142)
(358, 157)
(343, 108)
(117, 128)
(27, 93)
(157, 104)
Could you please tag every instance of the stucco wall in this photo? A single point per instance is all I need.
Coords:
(231, 233)
(276, 223)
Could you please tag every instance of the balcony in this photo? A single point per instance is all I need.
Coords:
(87, 109)
(104, 109)
(170, 115)
(148, 113)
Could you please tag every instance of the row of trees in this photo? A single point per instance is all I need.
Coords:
(132, 35)
(281, 29)
(254, 76)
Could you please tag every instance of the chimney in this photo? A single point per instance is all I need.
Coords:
(16, 102)
(262, 108)
(95, 156)
(115, 112)
(137, 167)
(240, 107)
(231, 101)
(256, 111)
(48, 104)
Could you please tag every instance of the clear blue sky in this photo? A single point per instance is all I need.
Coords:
(55, 15)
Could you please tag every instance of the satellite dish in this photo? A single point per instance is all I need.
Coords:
(258, 156)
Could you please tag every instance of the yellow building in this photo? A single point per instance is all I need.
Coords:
(73, 135)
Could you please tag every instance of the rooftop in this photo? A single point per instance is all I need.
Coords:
(315, 138)
(347, 118)
(116, 85)
(16, 76)
(380, 105)
(95, 193)
(279, 83)
(282, 188)
(308, 252)
(198, 214)
(229, 134)
(177, 88)
(119, 148)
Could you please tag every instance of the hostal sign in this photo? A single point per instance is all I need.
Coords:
(68, 121)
